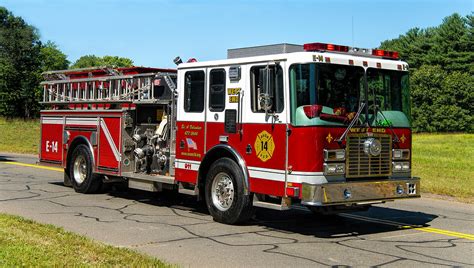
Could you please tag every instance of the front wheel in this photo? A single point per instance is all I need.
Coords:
(225, 193)
(80, 171)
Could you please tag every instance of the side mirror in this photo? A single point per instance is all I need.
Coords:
(265, 102)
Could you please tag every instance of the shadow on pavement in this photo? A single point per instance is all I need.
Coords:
(295, 221)
(4, 158)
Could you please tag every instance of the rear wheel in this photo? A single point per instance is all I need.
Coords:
(225, 193)
(80, 171)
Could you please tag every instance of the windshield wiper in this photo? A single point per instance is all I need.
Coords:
(351, 124)
(377, 111)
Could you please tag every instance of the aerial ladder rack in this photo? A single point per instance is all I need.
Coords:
(107, 84)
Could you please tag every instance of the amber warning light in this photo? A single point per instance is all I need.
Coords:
(345, 49)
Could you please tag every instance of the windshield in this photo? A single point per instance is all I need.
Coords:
(330, 94)
(388, 98)
(325, 94)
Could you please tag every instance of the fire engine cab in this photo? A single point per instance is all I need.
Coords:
(282, 126)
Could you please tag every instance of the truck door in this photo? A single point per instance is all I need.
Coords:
(264, 128)
(191, 128)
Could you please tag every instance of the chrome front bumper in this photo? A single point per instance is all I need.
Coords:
(354, 192)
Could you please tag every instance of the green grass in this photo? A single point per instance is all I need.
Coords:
(27, 243)
(19, 136)
(445, 164)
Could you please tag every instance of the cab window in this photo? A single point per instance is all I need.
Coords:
(194, 91)
(275, 84)
(217, 90)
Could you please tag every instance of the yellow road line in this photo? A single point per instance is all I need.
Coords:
(441, 231)
(33, 166)
(414, 227)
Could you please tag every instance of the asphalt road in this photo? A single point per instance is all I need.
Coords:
(172, 227)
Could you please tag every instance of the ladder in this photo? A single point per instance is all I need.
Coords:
(114, 86)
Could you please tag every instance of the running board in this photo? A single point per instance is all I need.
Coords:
(285, 204)
(145, 182)
(151, 178)
(138, 184)
(182, 190)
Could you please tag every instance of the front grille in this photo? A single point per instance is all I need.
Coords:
(359, 164)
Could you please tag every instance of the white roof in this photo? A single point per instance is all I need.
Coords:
(302, 57)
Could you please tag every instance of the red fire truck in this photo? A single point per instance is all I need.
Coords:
(320, 125)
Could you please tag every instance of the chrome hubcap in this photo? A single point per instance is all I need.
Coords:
(222, 191)
(80, 169)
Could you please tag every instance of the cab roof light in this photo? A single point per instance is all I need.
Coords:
(325, 47)
(385, 53)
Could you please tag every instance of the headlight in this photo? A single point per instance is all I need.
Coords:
(400, 154)
(334, 155)
(334, 169)
(400, 166)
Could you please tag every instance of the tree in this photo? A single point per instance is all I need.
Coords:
(52, 58)
(453, 49)
(450, 45)
(92, 61)
(442, 101)
(412, 46)
(20, 50)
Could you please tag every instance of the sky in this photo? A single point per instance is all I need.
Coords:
(153, 33)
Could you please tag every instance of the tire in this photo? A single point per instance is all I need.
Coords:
(82, 178)
(67, 181)
(225, 180)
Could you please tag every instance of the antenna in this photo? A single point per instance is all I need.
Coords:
(352, 30)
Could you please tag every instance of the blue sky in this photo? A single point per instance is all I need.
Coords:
(152, 33)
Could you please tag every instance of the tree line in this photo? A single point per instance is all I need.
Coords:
(440, 58)
(23, 58)
(441, 63)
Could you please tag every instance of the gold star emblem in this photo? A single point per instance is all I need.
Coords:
(329, 138)
(403, 138)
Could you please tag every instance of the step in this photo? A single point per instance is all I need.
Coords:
(143, 185)
(262, 204)
(182, 190)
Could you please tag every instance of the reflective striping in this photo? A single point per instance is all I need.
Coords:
(33, 166)
(78, 121)
(52, 120)
(110, 139)
(300, 173)
(414, 227)
(279, 175)
(187, 164)
(257, 174)
(81, 121)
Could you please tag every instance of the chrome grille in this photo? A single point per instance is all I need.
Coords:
(359, 164)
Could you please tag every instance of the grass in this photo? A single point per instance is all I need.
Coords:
(27, 243)
(19, 136)
(444, 163)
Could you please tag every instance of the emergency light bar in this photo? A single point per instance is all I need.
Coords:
(385, 53)
(325, 47)
(345, 49)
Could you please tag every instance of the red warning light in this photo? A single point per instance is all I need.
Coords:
(312, 111)
(325, 47)
(385, 53)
